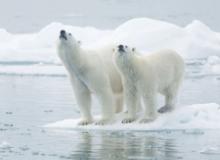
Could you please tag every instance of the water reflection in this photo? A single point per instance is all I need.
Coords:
(83, 148)
(123, 145)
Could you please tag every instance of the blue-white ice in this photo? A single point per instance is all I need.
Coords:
(197, 116)
(194, 41)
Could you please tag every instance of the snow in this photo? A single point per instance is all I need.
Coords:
(196, 40)
(196, 116)
(41, 46)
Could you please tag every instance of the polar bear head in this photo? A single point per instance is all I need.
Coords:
(123, 55)
(123, 52)
(67, 42)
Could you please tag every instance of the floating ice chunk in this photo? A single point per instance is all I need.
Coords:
(210, 150)
(212, 65)
(5, 145)
(33, 70)
(197, 116)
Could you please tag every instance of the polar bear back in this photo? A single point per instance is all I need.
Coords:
(167, 65)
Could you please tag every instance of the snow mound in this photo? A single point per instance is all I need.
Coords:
(149, 35)
(197, 116)
(195, 41)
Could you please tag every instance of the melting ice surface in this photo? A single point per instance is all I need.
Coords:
(198, 116)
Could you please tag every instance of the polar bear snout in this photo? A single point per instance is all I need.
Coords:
(63, 34)
(121, 48)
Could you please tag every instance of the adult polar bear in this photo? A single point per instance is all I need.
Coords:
(91, 71)
(145, 76)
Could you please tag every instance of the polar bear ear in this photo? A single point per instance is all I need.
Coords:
(133, 49)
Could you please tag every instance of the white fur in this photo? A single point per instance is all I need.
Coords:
(92, 72)
(144, 76)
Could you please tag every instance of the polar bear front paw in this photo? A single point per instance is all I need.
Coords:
(84, 122)
(127, 120)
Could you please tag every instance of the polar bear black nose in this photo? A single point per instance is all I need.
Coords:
(63, 34)
(120, 47)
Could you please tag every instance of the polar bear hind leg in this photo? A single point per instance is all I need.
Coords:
(118, 103)
(170, 98)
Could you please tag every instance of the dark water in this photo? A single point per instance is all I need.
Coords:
(29, 102)
(31, 16)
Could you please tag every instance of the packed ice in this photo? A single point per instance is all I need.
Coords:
(197, 116)
(194, 41)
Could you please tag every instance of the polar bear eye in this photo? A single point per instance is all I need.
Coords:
(126, 46)
(70, 34)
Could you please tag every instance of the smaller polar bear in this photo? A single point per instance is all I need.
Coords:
(91, 72)
(144, 76)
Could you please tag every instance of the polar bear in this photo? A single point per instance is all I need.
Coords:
(144, 76)
(91, 71)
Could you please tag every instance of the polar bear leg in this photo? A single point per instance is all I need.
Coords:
(139, 108)
(131, 100)
(168, 107)
(149, 99)
(105, 98)
(118, 103)
(83, 98)
(170, 98)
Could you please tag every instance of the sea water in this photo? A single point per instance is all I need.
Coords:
(29, 102)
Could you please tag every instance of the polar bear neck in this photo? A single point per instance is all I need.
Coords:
(126, 65)
(75, 55)
(72, 58)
